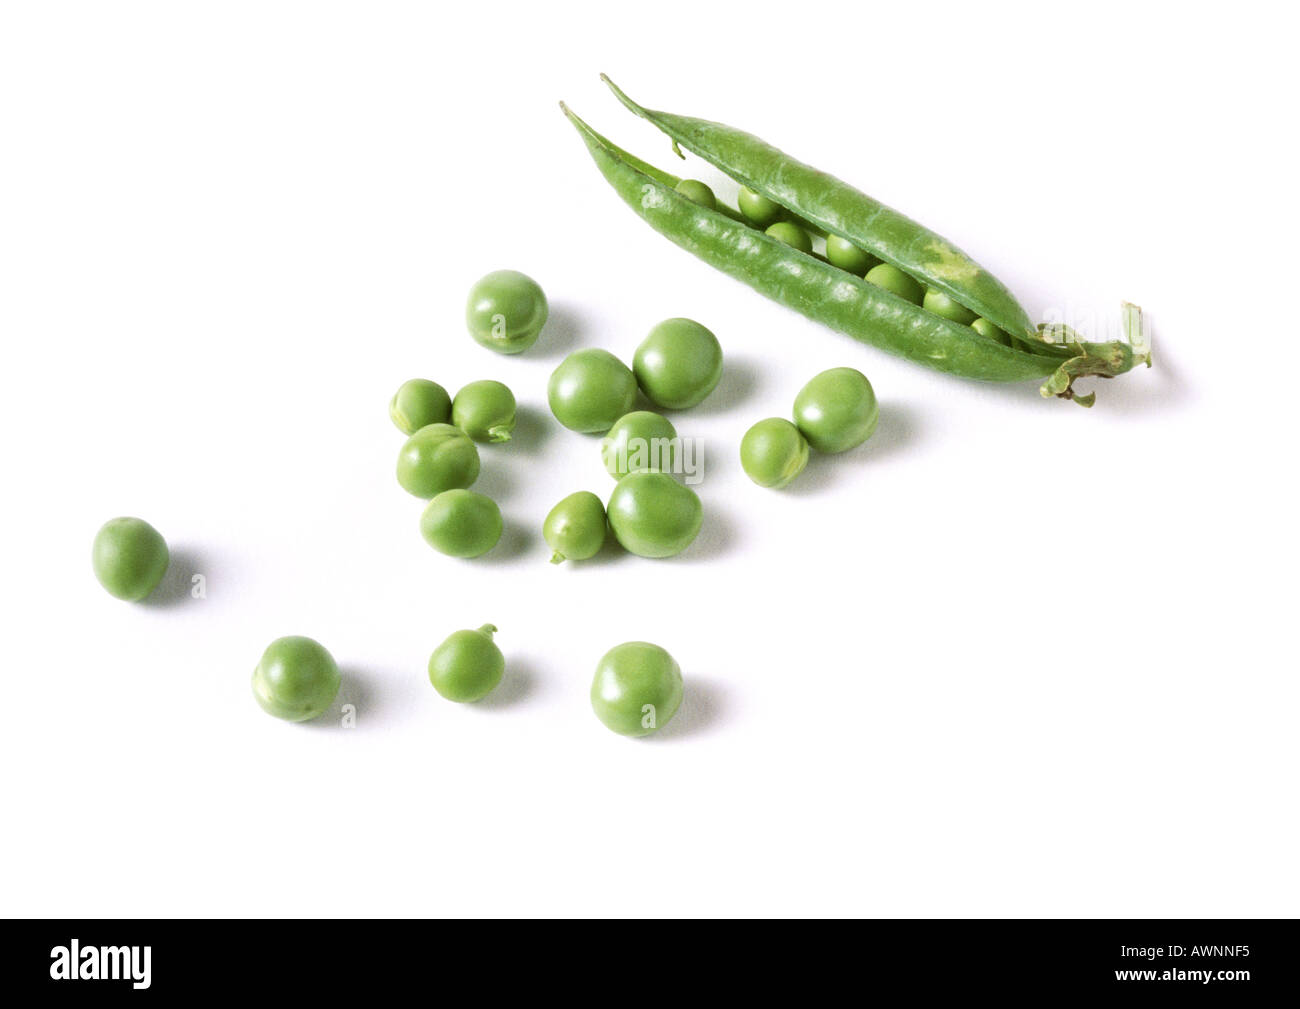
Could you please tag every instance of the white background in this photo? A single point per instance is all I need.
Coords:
(1010, 658)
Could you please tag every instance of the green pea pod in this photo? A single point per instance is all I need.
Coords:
(834, 297)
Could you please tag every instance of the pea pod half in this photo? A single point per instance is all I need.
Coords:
(835, 297)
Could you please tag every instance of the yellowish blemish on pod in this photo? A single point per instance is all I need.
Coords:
(950, 264)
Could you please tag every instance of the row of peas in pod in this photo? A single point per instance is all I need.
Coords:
(779, 223)
(635, 691)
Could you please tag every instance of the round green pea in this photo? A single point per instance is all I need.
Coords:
(485, 411)
(296, 679)
(468, 665)
(697, 192)
(419, 403)
(652, 515)
(461, 523)
(575, 528)
(836, 410)
(773, 452)
(894, 280)
(678, 364)
(590, 390)
(758, 209)
(637, 688)
(986, 328)
(940, 304)
(791, 234)
(847, 256)
(506, 311)
(640, 441)
(436, 458)
(129, 557)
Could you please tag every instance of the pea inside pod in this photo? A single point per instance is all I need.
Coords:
(485, 410)
(886, 307)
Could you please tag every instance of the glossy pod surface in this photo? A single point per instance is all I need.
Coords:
(637, 688)
(836, 410)
(505, 311)
(461, 523)
(652, 515)
(129, 557)
(591, 389)
(813, 286)
(437, 458)
(467, 666)
(296, 679)
(575, 528)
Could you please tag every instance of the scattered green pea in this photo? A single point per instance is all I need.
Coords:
(791, 234)
(436, 458)
(575, 528)
(296, 679)
(678, 364)
(485, 411)
(468, 665)
(637, 688)
(129, 557)
(836, 410)
(894, 280)
(506, 311)
(419, 403)
(461, 523)
(590, 390)
(986, 328)
(652, 515)
(697, 192)
(773, 452)
(847, 256)
(639, 441)
(758, 209)
(940, 304)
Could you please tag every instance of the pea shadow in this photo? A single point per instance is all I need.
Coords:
(494, 480)
(610, 552)
(895, 430)
(718, 535)
(740, 379)
(358, 702)
(519, 683)
(177, 585)
(516, 541)
(704, 707)
(560, 335)
(533, 429)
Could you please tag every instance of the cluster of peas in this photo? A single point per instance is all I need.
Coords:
(779, 223)
(637, 686)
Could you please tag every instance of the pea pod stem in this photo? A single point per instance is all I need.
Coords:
(822, 292)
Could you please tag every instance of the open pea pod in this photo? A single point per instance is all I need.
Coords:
(839, 299)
